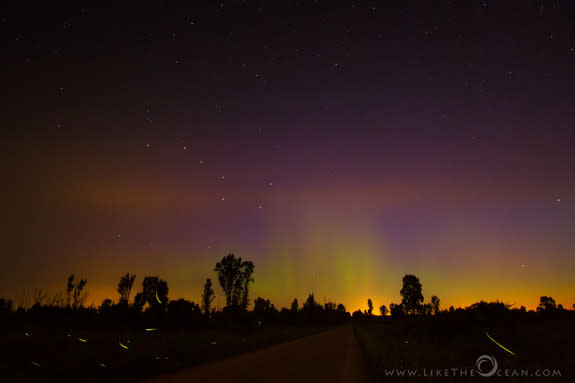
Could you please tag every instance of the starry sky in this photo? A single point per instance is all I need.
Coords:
(337, 144)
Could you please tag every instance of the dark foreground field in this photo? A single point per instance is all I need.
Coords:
(442, 348)
(428, 346)
(332, 356)
(52, 353)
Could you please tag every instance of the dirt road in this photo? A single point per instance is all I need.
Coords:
(332, 356)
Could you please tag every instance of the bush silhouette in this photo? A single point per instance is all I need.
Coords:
(383, 310)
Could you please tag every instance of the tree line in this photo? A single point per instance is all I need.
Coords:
(412, 304)
(235, 277)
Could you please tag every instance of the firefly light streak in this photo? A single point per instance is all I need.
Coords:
(499, 344)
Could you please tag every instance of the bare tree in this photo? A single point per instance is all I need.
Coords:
(58, 300)
(38, 296)
(24, 299)
(70, 290)
(76, 295)
(80, 296)
(125, 287)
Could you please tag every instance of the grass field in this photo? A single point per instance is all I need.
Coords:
(50, 353)
(440, 343)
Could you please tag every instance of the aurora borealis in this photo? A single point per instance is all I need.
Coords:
(337, 145)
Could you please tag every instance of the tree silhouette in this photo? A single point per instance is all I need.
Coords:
(182, 308)
(411, 293)
(69, 290)
(75, 295)
(396, 311)
(262, 305)
(155, 293)
(234, 276)
(139, 302)
(383, 310)
(310, 305)
(357, 314)
(330, 306)
(341, 309)
(369, 307)
(435, 304)
(208, 297)
(426, 309)
(295, 305)
(125, 287)
(106, 305)
(5, 305)
(546, 304)
(242, 288)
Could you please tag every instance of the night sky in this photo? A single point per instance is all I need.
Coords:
(338, 145)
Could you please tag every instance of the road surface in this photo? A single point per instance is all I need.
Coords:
(331, 356)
